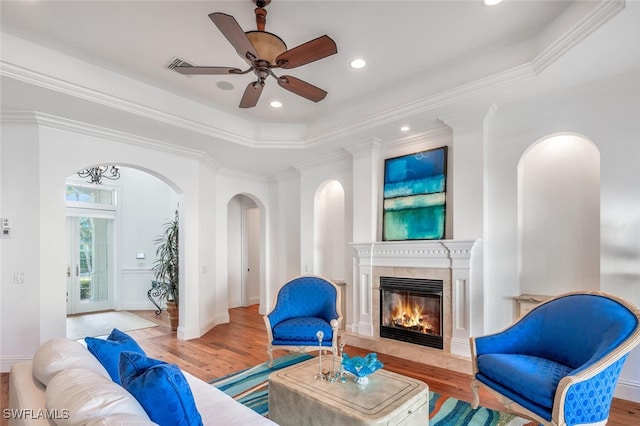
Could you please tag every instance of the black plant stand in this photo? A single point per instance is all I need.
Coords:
(157, 294)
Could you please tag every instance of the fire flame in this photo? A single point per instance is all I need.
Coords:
(409, 316)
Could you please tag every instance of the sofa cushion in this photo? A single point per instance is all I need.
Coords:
(160, 388)
(532, 377)
(59, 354)
(78, 395)
(298, 330)
(108, 351)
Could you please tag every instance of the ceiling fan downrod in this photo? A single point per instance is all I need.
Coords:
(261, 15)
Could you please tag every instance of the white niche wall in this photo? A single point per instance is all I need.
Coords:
(559, 216)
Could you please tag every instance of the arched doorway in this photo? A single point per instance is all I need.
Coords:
(244, 266)
(111, 228)
(559, 216)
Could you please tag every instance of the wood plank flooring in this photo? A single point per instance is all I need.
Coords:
(242, 343)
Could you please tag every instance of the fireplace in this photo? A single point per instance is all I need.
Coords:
(411, 310)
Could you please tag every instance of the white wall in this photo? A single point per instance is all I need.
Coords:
(146, 203)
(20, 305)
(35, 162)
(286, 199)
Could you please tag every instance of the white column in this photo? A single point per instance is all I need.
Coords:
(466, 295)
(366, 189)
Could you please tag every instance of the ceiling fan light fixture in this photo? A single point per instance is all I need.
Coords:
(269, 46)
(276, 104)
(491, 2)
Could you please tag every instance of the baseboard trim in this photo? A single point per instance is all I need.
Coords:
(7, 362)
(628, 390)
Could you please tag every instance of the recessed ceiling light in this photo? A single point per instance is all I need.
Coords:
(405, 128)
(224, 85)
(358, 63)
(275, 104)
(491, 2)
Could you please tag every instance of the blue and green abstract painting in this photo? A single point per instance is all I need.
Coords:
(414, 196)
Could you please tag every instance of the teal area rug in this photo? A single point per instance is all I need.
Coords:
(250, 387)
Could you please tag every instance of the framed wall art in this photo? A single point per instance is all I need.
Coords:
(414, 196)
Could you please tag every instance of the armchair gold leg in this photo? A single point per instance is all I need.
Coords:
(270, 355)
(476, 398)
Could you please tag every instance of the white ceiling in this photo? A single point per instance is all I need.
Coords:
(420, 54)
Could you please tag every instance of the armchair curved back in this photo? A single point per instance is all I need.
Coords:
(304, 306)
(574, 330)
(559, 364)
(306, 296)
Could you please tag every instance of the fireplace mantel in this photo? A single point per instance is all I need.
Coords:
(459, 260)
(417, 254)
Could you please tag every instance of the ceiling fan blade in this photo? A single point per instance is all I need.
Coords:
(230, 28)
(310, 51)
(251, 95)
(302, 88)
(191, 70)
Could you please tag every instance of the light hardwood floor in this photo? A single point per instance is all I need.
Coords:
(242, 343)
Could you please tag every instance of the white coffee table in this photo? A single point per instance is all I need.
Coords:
(296, 398)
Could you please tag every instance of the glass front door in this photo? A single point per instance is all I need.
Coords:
(90, 266)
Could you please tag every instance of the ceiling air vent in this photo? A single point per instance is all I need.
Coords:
(178, 62)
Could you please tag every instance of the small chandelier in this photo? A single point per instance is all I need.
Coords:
(95, 174)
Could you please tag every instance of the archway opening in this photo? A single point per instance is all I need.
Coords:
(244, 269)
(111, 229)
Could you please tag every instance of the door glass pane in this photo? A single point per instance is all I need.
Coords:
(92, 195)
(94, 259)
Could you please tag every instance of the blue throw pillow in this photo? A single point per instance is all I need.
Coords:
(160, 388)
(108, 351)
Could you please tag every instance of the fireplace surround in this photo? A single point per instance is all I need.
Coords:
(457, 263)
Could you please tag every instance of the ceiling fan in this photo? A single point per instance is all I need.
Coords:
(264, 52)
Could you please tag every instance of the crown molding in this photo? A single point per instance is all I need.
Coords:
(437, 134)
(443, 98)
(321, 160)
(40, 119)
(369, 145)
(286, 175)
(232, 173)
(598, 16)
(51, 83)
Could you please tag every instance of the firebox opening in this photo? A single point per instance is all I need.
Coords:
(411, 310)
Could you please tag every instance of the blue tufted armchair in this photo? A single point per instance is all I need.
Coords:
(559, 364)
(304, 306)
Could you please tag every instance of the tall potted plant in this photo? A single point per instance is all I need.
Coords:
(166, 268)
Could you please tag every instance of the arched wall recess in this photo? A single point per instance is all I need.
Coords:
(559, 216)
(330, 242)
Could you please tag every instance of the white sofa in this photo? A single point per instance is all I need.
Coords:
(65, 384)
